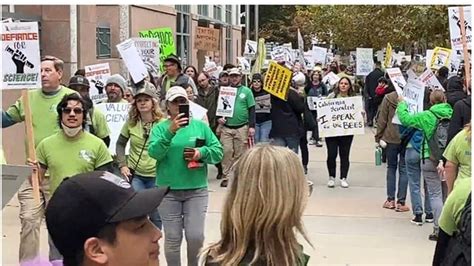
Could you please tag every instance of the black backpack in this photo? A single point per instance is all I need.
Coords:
(458, 252)
(439, 140)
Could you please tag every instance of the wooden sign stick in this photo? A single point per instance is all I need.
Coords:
(467, 67)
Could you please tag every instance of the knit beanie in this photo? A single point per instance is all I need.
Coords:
(119, 80)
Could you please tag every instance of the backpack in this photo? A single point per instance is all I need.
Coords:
(439, 140)
(458, 252)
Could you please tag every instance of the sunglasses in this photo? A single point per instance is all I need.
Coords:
(76, 110)
(257, 80)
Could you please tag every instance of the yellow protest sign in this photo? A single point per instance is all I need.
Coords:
(277, 81)
(441, 57)
(388, 56)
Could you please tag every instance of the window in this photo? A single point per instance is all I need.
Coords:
(228, 43)
(203, 10)
(218, 12)
(183, 21)
(102, 37)
(228, 14)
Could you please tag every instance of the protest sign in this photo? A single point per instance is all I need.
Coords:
(132, 60)
(97, 76)
(413, 93)
(21, 66)
(212, 69)
(197, 111)
(207, 39)
(411, 74)
(116, 115)
(352, 57)
(330, 79)
(340, 116)
(429, 57)
(244, 65)
(166, 38)
(455, 63)
(226, 101)
(319, 54)
(250, 49)
(313, 102)
(380, 55)
(430, 80)
(12, 178)
(278, 54)
(277, 81)
(365, 61)
(387, 62)
(455, 27)
(397, 79)
(441, 57)
(149, 51)
(260, 57)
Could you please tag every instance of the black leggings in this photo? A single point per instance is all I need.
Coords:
(343, 144)
(304, 150)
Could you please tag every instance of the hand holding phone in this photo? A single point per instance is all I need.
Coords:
(184, 109)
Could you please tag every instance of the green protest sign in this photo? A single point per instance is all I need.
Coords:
(166, 37)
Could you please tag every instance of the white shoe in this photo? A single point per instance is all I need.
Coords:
(344, 183)
(331, 182)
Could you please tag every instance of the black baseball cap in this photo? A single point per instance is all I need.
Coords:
(79, 80)
(83, 204)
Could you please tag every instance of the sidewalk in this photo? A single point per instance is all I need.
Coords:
(345, 226)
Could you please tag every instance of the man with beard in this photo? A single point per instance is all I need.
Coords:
(115, 87)
(96, 123)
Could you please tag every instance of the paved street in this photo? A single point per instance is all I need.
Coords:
(345, 226)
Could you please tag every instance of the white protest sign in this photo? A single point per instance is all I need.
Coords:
(250, 49)
(132, 60)
(365, 61)
(226, 101)
(21, 66)
(352, 57)
(116, 115)
(197, 111)
(244, 65)
(340, 116)
(330, 79)
(212, 69)
(319, 54)
(97, 75)
(411, 74)
(149, 51)
(455, 27)
(380, 55)
(455, 63)
(430, 80)
(413, 93)
(313, 102)
(429, 57)
(278, 54)
(397, 79)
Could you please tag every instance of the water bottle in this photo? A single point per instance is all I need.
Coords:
(378, 156)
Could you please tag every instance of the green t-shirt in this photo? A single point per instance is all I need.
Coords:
(451, 214)
(64, 157)
(44, 116)
(168, 83)
(168, 150)
(243, 101)
(459, 152)
(147, 165)
(101, 129)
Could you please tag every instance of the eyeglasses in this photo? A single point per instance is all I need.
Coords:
(76, 110)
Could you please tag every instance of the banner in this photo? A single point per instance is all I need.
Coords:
(166, 38)
(364, 61)
(414, 94)
(250, 49)
(244, 65)
(116, 115)
(226, 101)
(97, 76)
(261, 55)
(319, 54)
(149, 51)
(455, 27)
(131, 57)
(277, 81)
(21, 64)
(330, 79)
(340, 116)
(387, 62)
(397, 78)
(430, 81)
(441, 57)
(207, 39)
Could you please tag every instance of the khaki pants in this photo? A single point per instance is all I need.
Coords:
(234, 142)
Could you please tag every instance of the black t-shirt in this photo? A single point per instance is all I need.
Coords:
(263, 106)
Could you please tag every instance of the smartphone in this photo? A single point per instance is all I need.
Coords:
(184, 109)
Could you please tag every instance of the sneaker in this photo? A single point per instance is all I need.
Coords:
(429, 218)
(344, 183)
(417, 220)
(318, 144)
(305, 168)
(331, 182)
(219, 176)
(434, 236)
(389, 204)
(312, 141)
(401, 207)
(224, 183)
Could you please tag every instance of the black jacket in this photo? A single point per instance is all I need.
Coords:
(461, 116)
(371, 82)
(286, 116)
(454, 90)
(209, 102)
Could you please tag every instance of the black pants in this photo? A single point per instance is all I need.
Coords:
(341, 145)
(371, 108)
(315, 133)
(304, 150)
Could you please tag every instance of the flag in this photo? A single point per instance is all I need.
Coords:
(260, 57)
(388, 56)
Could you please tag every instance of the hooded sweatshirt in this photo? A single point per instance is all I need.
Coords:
(461, 116)
(386, 130)
(426, 121)
(454, 90)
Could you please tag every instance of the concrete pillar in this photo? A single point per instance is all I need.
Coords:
(73, 38)
(124, 33)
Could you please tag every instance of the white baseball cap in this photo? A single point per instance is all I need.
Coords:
(175, 92)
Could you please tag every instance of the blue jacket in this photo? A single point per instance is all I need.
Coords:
(417, 138)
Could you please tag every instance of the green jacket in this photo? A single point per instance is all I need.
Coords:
(426, 121)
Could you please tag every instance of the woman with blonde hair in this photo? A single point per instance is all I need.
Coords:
(138, 167)
(263, 211)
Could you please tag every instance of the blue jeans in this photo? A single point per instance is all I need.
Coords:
(412, 160)
(394, 152)
(292, 143)
(434, 186)
(141, 183)
(262, 131)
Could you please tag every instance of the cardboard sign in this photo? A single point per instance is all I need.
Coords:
(414, 94)
(21, 66)
(97, 76)
(116, 114)
(330, 79)
(277, 80)
(441, 57)
(132, 60)
(455, 27)
(250, 49)
(226, 101)
(319, 54)
(387, 62)
(207, 39)
(430, 80)
(340, 116)
(364, 61)
(166, 38)
(244, 65)
(149, 51)
(397, 79)
(12, 178)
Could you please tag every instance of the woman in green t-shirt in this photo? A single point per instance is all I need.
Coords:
(138, 167)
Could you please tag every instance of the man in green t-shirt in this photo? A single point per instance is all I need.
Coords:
(70, 151)
(236, 130)
(43, 102)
